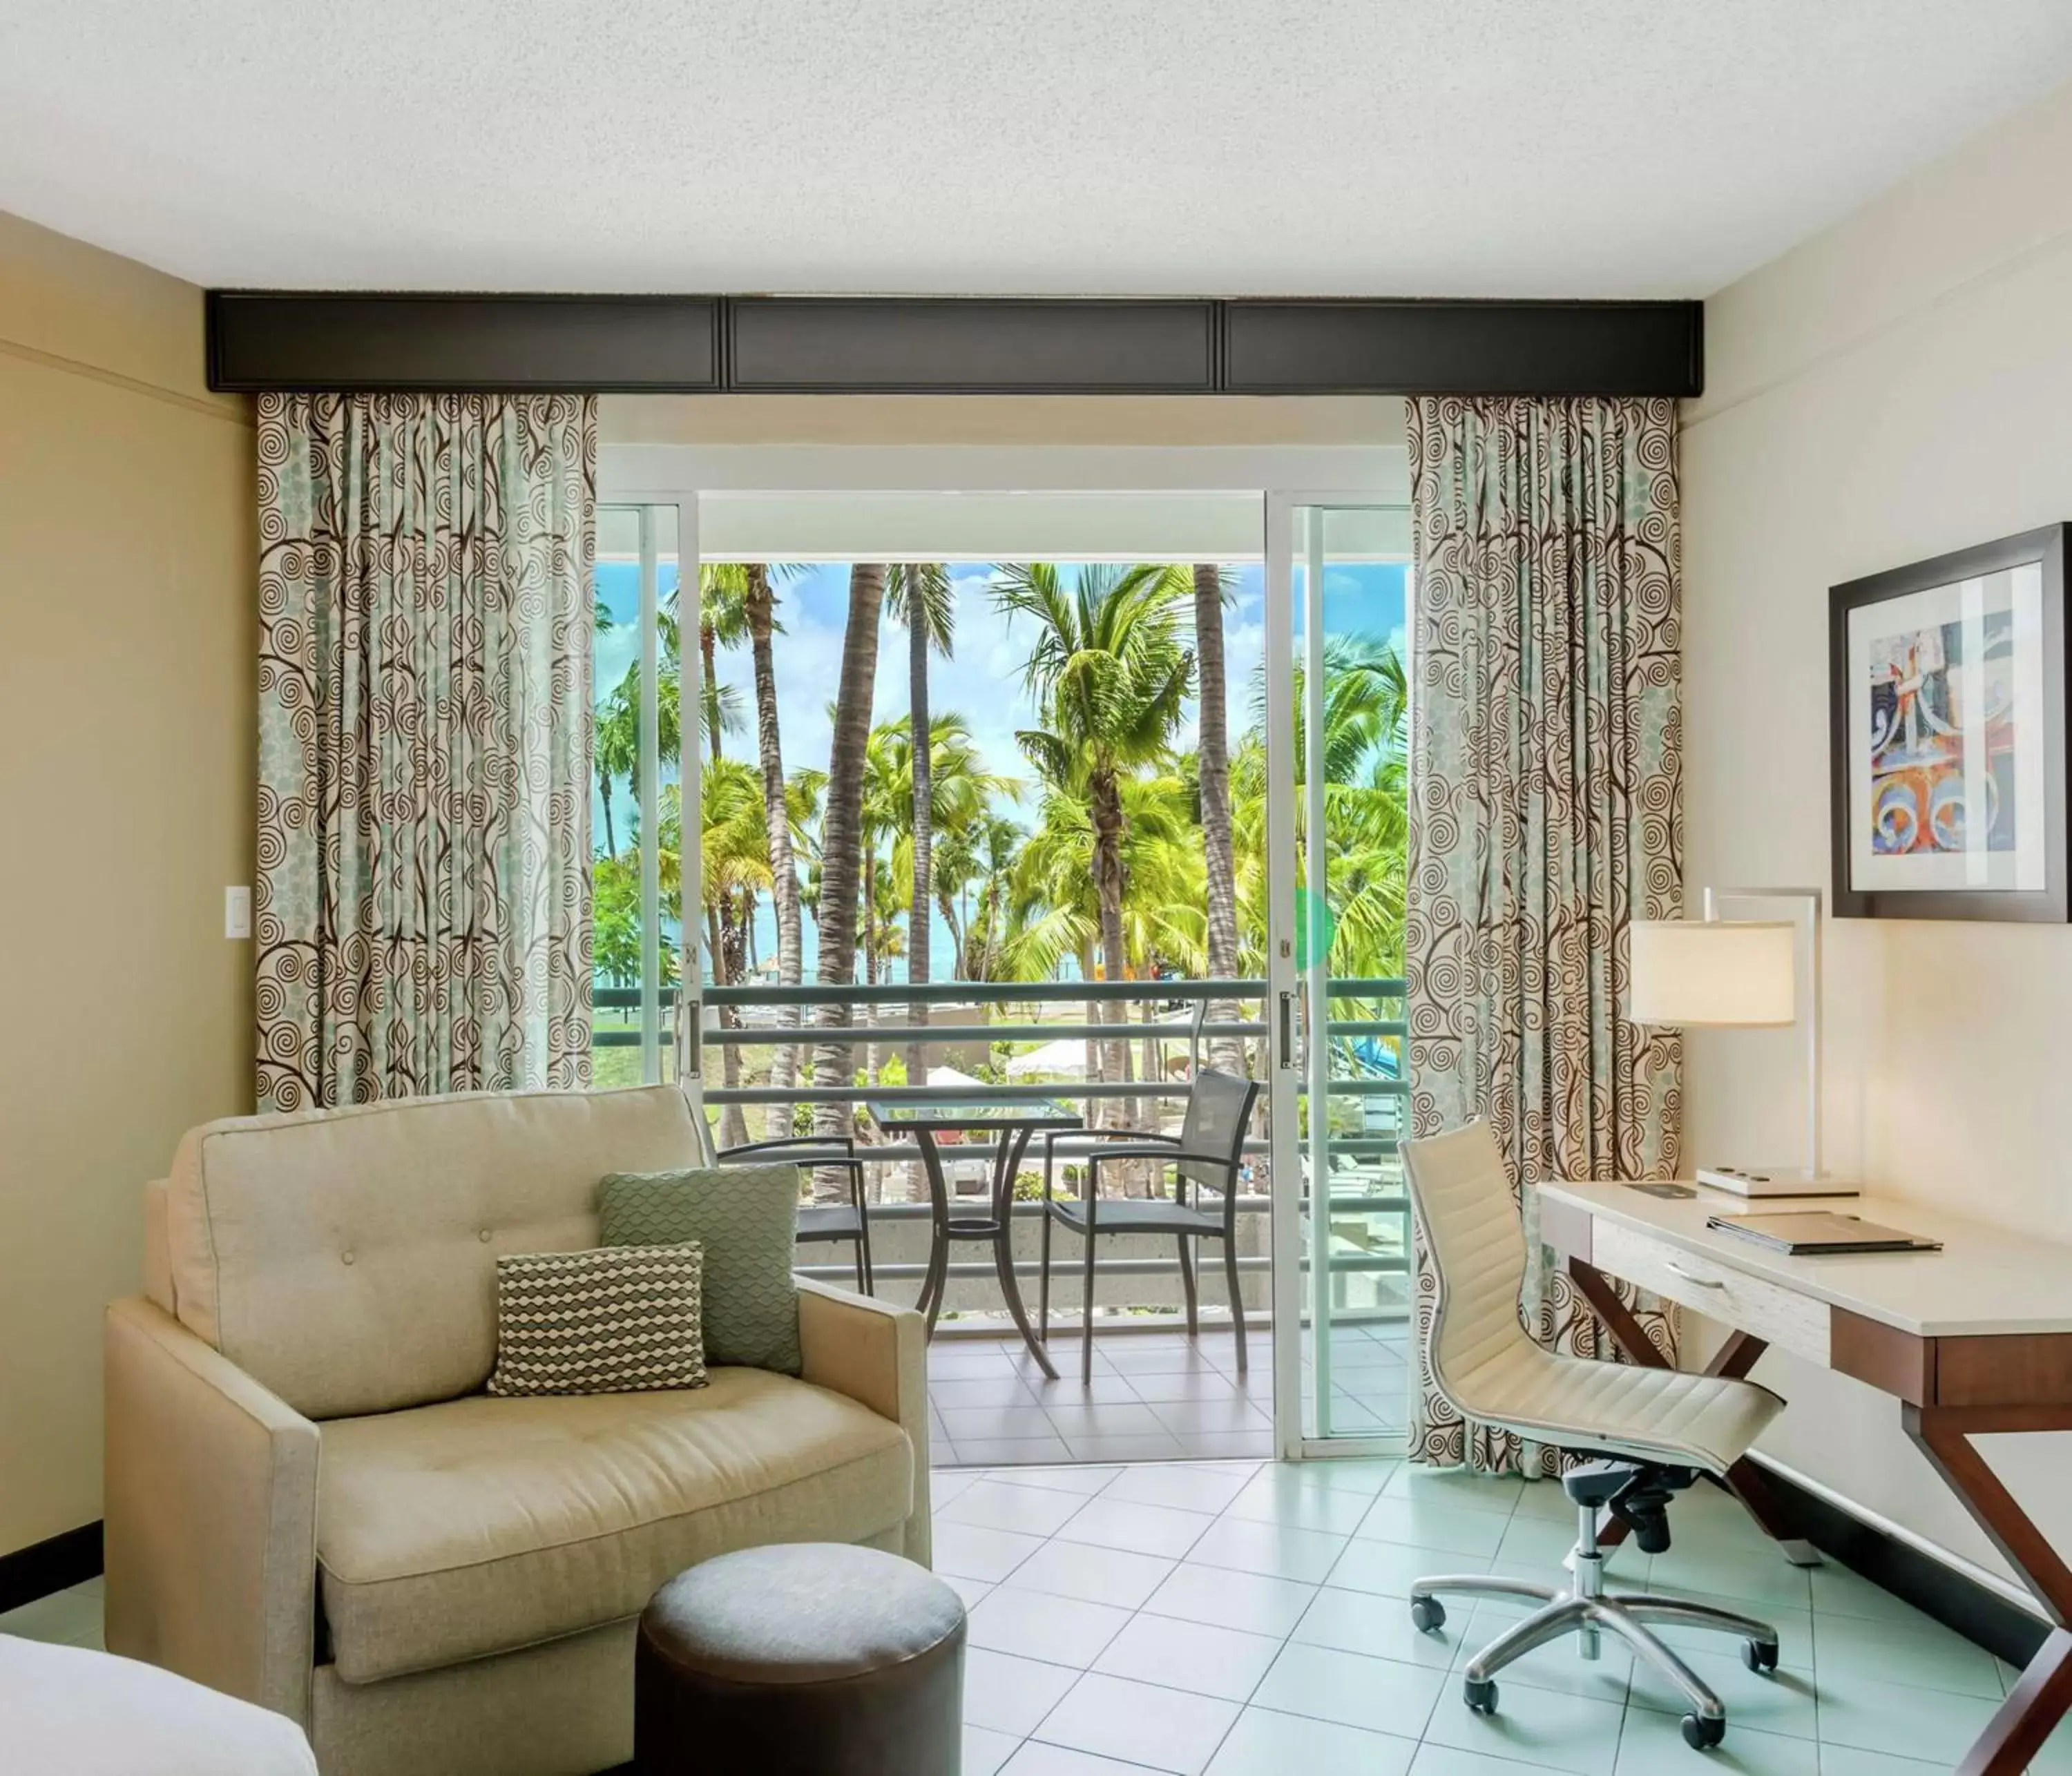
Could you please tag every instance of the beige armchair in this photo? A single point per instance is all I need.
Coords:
(312, 1505)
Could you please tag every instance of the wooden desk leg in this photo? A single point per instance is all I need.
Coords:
(2039, 1700)
(1733, 1360)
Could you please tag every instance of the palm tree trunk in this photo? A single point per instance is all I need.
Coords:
(1213, 754)
(733, 1126)
(709, 654)
(869, 945)
(1107, 881)
(841, 846)
(920, 912)
(784, 869)
(947, 903)
(875, 1054)
(604, 796)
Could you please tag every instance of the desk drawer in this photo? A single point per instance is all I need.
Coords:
(1778, 1316)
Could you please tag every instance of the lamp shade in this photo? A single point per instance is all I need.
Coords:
(1686, 972)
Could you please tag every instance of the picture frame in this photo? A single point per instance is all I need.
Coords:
(1947, 761)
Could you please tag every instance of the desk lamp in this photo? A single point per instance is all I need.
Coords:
(1740, 974)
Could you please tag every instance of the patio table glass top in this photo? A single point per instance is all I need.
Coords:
(972, 1110)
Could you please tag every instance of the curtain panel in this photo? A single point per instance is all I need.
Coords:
(422, 911)
(1546, 804)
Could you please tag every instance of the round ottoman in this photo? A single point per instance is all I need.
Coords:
(810, 1659)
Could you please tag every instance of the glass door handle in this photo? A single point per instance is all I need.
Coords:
(1287, 1030)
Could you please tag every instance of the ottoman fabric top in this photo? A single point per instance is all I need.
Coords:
(803, 1612)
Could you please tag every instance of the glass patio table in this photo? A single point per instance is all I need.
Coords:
(1011, 1121)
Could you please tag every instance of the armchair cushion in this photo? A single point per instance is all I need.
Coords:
(746, 1218)
(346, 1260)
(480, 1525)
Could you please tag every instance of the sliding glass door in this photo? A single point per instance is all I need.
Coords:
(1338, 589)
(642, 682)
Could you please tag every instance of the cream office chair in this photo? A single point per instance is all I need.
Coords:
(1656, 1429)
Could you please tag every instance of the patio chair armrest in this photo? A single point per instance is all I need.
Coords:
(1094, 1138)
(877, 1354)
(1115, 1134)
(822, 1145)
(1167, 1156)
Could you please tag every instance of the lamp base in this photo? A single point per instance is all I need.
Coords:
(1775, 1180)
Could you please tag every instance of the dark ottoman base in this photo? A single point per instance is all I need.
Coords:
(811, 1659)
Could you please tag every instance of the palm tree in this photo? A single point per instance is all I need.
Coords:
(996, 842)
(1213, 772)
(759, 613)
(603, 623)
(617, 744)
(1054, 909)
(1361, 751)
(1110, 675)
(842, 845)
(960, 791)
(618, 728)
(723, 622)
(885, 812)
(1054, 912)
(921, 597)
(735, 856)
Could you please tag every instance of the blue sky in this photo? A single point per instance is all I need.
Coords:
(981, 681)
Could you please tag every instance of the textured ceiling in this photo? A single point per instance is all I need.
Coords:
(1311, 147)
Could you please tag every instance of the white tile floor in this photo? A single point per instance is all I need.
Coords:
(1154, 1396)
(1239, 1619)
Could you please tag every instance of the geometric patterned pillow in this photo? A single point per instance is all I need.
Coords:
(747, 1219)
(609, 1320)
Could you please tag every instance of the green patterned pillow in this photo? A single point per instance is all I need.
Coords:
(746, 1218)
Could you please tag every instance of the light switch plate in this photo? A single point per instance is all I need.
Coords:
(237, 912)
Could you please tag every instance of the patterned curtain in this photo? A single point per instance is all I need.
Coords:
(1546, 814)
(422, 908)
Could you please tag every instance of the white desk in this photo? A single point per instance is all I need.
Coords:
(1972, 1340)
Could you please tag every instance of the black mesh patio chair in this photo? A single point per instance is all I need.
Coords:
(819, 1223)
(1207, 1154)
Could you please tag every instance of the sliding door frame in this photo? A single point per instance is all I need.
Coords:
(1306, 1072)
(690, 693)
(1280, 478)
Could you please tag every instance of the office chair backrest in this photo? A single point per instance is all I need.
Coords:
(1218, 1112)
(1461, 1192)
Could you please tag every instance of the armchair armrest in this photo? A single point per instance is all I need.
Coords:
(211, 1516)
(877, 1355)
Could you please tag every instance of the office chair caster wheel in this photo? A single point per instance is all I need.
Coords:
(1479, 1693)
(1760, 1656)
(1700, 1734)
(1427, 1614)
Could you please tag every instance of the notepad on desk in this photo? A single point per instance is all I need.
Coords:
(1813, 1233)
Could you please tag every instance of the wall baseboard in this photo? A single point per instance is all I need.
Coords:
(1936, 1588)
(56, 1565)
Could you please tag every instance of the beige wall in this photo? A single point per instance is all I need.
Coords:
(127, 620)
(1897, 387)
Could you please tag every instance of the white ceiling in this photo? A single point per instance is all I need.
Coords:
(1408, 147)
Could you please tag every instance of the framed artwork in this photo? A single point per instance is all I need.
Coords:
(1947, 686)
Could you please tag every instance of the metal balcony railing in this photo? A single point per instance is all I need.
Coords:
(1367, 1099)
